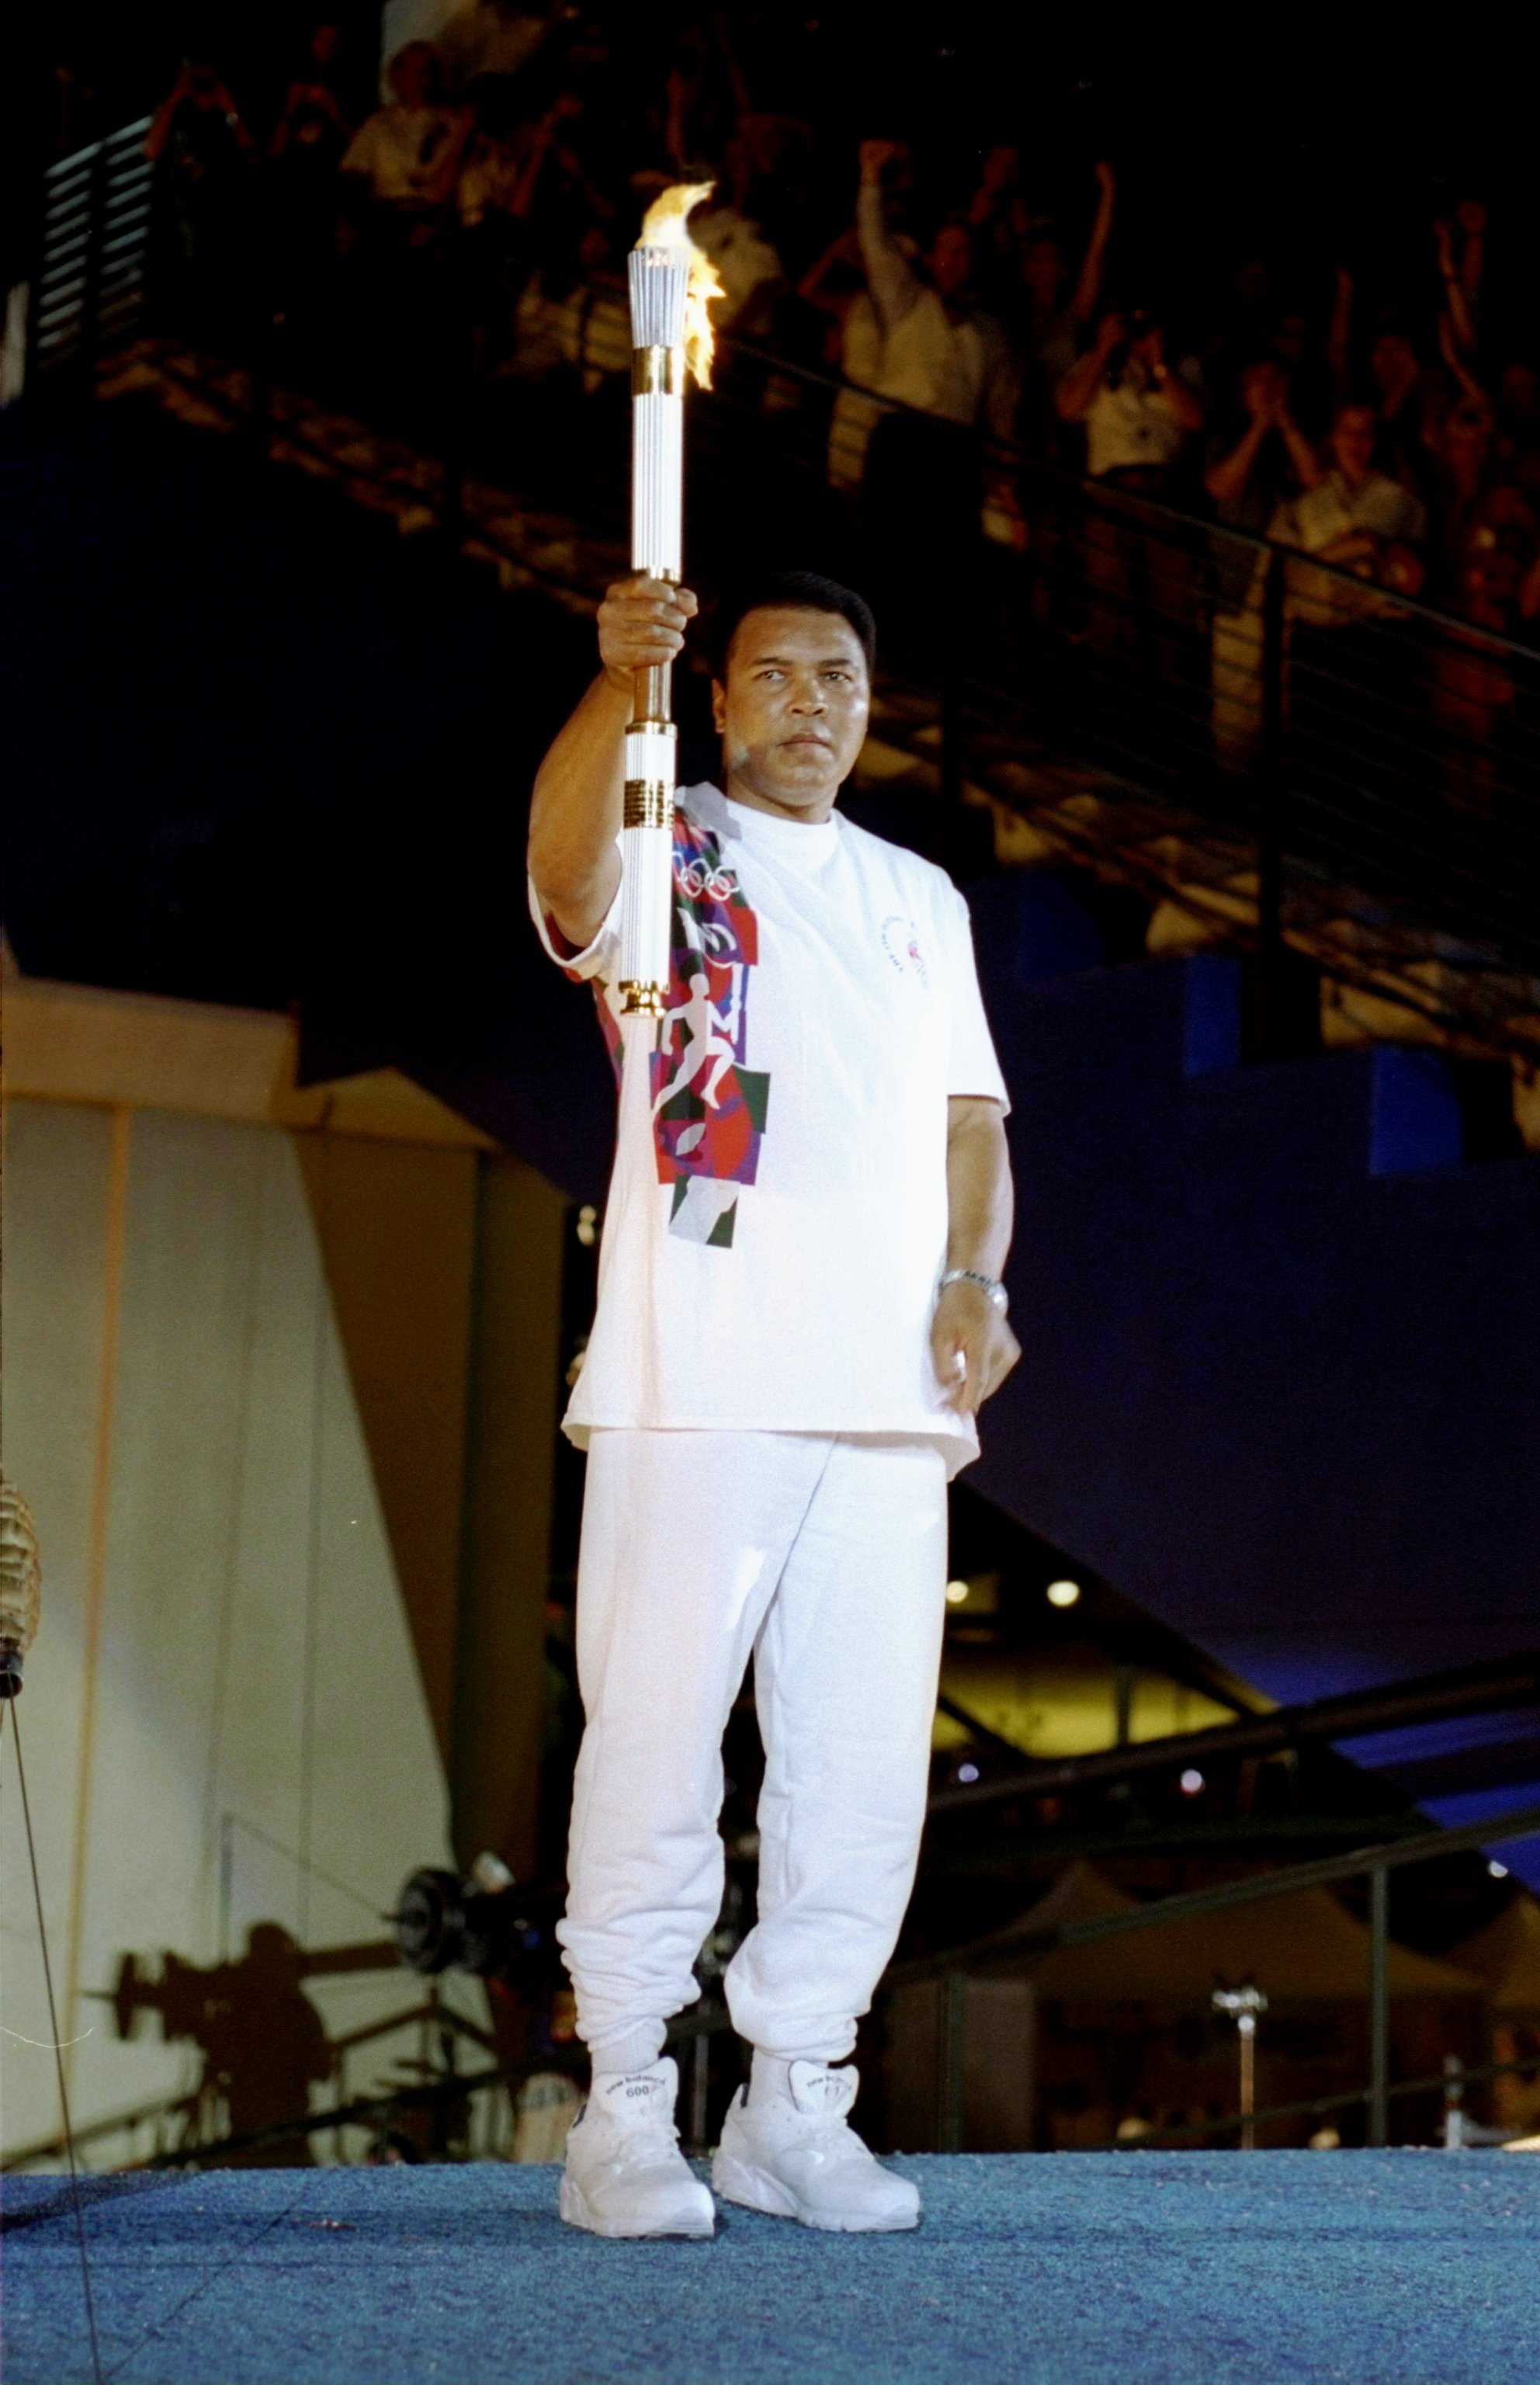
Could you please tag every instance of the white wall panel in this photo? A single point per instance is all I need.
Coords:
(256, 1678)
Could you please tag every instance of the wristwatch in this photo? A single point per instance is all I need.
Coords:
(989, 1285)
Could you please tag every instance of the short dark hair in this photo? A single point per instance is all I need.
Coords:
(799, 591)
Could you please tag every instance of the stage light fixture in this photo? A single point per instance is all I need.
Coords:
(481, 1922)
(967, 1772)
(1192, 1782)
(957, 1594)
(1062, 1594)
(1499, 1870)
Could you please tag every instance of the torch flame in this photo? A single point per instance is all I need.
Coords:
(664, 226)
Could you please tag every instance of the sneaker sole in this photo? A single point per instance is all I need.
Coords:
(572, 2205)
(755, 2190)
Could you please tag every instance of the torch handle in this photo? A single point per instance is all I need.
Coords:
(654, 693)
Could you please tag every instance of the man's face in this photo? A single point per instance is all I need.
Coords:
(1263, 385)
(1393, 359)
(1043, 271)
(951, 259)
(792, 713)
(1002, 171)
(1352, 440)
(411, 76)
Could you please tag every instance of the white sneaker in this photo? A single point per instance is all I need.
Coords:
(798, 2157)
(625, 2174)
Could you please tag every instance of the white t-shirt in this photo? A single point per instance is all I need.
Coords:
(401, 150)
(1331, 509)
(776, 1223)
(1132, 424)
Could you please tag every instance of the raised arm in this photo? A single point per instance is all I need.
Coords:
(1226, 476)
(812, 289)
(1179, 394)
(971, 1346)
(1471, 216)
(1073, 396)
(579, 787)
(1088, 289)
(1450, 343)
(159, 132)
(1462, 320)
(893, 283)
(446, 173)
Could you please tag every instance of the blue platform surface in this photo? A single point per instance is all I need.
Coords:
(1199, 2269)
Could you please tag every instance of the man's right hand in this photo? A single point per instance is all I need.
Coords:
(642, 625)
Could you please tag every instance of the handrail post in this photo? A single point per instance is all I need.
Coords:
(1379, 2006)
(951, 2022)
(1273, 998)
(1454, 2100)
(700, 2089)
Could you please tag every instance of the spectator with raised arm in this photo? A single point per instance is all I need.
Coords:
(1349, 638)
(555, 198)
(1249, 475)
(1137, 409)
(399, 174)
(407, 153)
(203, 244)
(1054, 328)
(1139, 412)
(311, 125)
(835, 287)
(993, 216)
(490, 38)
(1357, 517)
(308, 144)
(940, 356)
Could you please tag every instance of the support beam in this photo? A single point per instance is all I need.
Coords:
(1474, 1688)
(498, 1701)
(1379, 2006)
(952, 2015)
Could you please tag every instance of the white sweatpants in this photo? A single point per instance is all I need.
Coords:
(825, 1557)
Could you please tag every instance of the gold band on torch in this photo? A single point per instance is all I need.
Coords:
(668, 326)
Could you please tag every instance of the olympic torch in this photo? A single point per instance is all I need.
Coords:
(671, 283)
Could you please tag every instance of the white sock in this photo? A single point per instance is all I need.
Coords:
(637, 2050)
(770, 2079)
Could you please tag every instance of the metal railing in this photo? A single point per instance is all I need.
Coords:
(1010, 1950)
(94, 246)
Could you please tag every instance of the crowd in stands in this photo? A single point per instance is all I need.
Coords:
(499, 183)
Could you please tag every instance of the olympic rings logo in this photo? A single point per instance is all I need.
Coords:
(698, 878)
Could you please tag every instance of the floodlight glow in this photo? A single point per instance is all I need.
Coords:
(1062, 1594)
(957, 1594)
(1191, 1782)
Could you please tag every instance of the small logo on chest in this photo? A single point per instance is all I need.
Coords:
(900, 942)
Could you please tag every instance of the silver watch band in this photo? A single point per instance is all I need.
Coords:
(991, 1287)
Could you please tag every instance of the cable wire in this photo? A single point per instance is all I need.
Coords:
(58, 2051)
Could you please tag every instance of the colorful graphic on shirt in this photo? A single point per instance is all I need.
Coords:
(708, 1109)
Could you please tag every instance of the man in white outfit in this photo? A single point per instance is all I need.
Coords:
(800, 1313)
